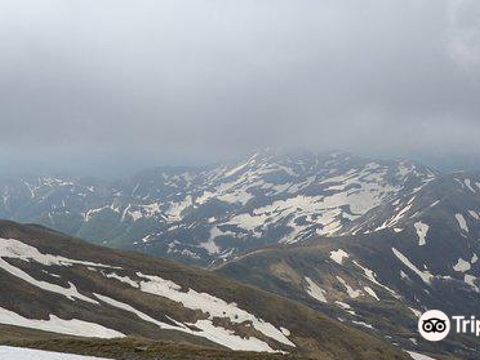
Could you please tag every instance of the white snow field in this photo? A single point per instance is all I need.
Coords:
(12, 353)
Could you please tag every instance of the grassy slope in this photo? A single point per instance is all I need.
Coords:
(280, 269)
(315, 334)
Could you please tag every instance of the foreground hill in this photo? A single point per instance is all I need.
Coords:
(122, 349)
(67, 287)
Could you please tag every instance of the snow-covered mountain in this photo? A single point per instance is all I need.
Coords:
(55, 287)
(202, 215)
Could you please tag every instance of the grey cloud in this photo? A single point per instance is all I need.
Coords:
(463, 39)
(213, 79)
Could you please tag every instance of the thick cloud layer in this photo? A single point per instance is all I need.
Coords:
(210, 79)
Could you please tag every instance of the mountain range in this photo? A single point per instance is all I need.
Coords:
(371, 243)
(204, 215)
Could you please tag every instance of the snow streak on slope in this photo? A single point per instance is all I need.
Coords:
(141, 315)
(424, 275)
(216, 334)
(417, 356)
(70, 292)
(315, 291)
(211, 305)
(14, 353)
(57, 325)
(462, 222)
(352, 293)
(11, 248)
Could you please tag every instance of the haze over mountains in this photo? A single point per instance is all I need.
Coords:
(371, 243)
(201, 215)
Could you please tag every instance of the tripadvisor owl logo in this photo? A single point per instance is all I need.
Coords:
(434, 325)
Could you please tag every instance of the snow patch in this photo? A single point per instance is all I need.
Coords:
(372, 293)
(474, 214)
(11, 248)
(141, 315)
(345, 307)
(426, 276)
(370, 275)
(60, 326)
(415, 312)
(468, 183)
(215, 308)
(462, 266)
(362, 323)
(338, 256)
(210, 244)
(470, 280)
(123, 279)
(474, 258)
(461, 222)
(350, 291)
(70, 293)
(315, 291)
(12, 353)
(422, 230)
(417, 356)
(176, 209)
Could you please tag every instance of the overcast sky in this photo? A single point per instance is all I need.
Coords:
(154, 82)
